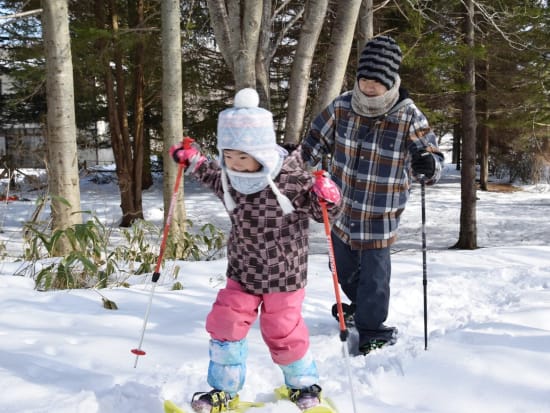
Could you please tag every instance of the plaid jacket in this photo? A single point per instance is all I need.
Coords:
(266, 250)
(370, 161)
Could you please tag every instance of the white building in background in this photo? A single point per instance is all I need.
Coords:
(20, 144)
(24, 146)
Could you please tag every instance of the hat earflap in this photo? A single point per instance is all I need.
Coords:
(227, 198)
(283, 201)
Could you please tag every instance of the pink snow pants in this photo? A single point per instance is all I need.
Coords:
(281, 323)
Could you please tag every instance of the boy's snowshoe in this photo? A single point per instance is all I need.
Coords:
(384, 336)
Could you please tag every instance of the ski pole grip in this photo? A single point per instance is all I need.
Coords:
(188, 142)
(319, 173)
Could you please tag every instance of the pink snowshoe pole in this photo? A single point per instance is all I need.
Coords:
(341, 321)
(156, 274)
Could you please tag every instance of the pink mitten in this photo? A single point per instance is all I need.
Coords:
(187, 154)
(325, 188)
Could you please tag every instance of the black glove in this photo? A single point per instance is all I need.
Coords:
(423, 163)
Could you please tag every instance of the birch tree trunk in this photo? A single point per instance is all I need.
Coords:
(338, 54)
(314, 17)
(365, 25)
(264, 56)
(268, 44)
(236, 25)
(63, 176)
(172, 111)
(468, 229)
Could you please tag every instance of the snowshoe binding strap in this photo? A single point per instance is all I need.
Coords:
(372, 345)
(305, 398)
(214, 401)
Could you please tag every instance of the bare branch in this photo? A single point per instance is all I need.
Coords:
(284, 31)
(492, 18)
(278, 9)
(382, 5)
(22, 14)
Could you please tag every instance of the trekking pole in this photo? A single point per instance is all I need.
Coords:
(156, 274)
(343, 329)
(424, 265)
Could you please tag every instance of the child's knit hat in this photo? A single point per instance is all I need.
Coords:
(248, 128)
(380, 60)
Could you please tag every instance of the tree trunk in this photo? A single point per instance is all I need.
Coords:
(484, 129)
(139, 110)
(147, 175)
(121, 140)
(301, 68)
(219, 20)
(338, 54)
(172, 109)
(468, 231)
(484, 155)
(263, 57)
(63, 176)
(457, 145)
(236, 26)
(115, 92)
(365, 25)
(142, 154)
(268, 44)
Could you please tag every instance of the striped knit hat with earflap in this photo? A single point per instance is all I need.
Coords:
(380, 61)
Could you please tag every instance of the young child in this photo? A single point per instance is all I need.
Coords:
(270, 198)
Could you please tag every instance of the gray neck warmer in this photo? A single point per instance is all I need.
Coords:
(251, 182)
(372, 107)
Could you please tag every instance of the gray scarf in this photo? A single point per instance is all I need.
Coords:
(372, 107)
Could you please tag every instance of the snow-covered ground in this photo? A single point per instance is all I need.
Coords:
(488, 319)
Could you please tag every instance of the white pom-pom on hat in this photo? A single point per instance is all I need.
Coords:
(246, 98)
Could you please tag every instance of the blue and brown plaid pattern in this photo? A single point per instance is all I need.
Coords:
(370, 161)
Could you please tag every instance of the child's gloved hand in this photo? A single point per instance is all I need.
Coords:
(187, 154)
(325, 189)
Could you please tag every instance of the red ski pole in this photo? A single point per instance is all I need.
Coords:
(341, 321)
(343, 329)
(156, 274)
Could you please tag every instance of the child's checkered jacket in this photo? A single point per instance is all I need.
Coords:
(267, 250)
